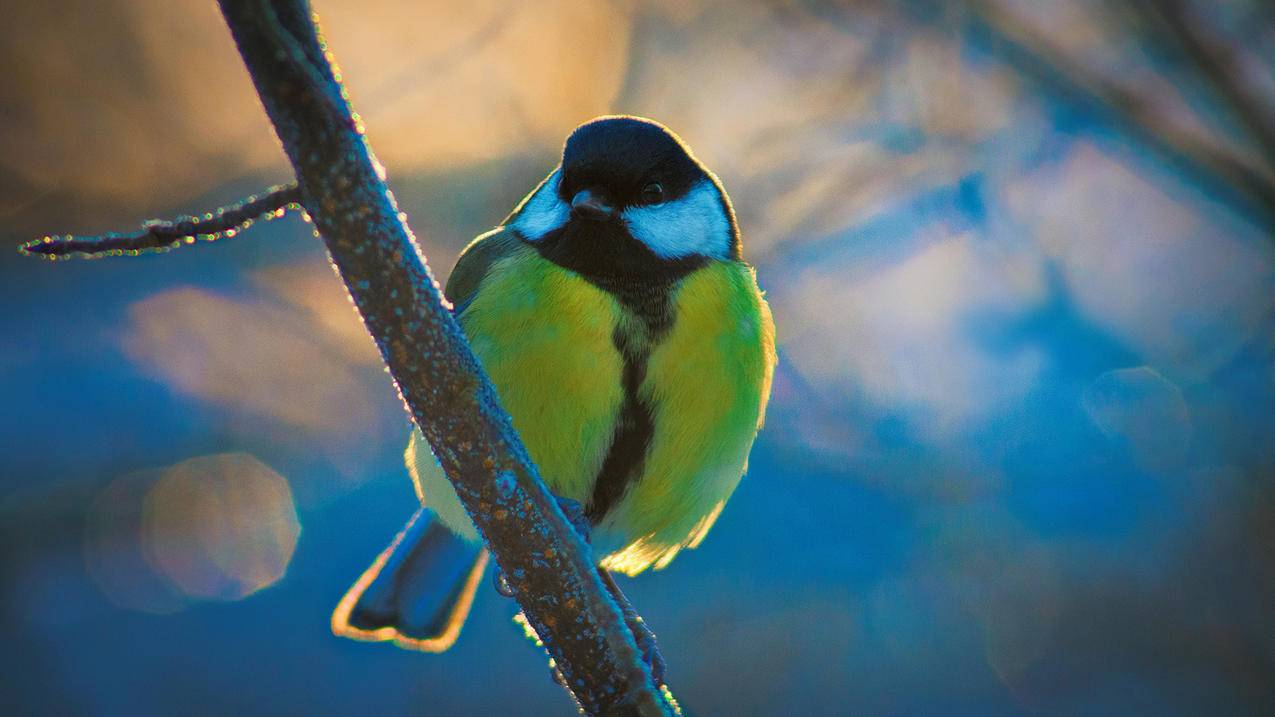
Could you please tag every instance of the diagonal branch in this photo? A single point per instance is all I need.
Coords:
(444, 387)
(164, 235)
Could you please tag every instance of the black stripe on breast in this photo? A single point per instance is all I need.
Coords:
(634, 429)
(607, 256)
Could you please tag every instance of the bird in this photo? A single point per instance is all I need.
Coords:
(632, 347)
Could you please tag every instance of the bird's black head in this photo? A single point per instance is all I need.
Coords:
(626, 162)
(629, 201)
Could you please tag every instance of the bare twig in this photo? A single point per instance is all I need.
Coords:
(164, 235)
(445, 389)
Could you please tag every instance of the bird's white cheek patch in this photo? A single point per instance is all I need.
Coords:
(543, 212)
(694, 224)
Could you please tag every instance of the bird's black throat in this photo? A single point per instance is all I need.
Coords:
(607, 256)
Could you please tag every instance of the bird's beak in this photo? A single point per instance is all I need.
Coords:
(588, 205)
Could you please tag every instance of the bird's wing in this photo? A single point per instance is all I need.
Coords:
(473, 263)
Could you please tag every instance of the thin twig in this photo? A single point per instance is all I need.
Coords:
(158, 236)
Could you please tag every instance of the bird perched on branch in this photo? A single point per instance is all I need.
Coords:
(631, 346)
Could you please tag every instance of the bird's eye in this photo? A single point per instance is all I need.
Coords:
(653, 193)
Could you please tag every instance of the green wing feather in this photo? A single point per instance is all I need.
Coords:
(473, 263)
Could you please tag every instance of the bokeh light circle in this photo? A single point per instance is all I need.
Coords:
(220, 526)
(113, 553)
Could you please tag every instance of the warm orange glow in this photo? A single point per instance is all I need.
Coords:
(295, 353)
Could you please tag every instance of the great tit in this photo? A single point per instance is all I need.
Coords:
(631, 345)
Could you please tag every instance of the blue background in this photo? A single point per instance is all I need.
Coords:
(1019, 451)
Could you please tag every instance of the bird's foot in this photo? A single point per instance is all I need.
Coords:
(578, 519)
(576, 516)
(646, 643)
(642, 634)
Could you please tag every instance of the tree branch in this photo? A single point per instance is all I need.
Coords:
(544, 560)
(164, 235)
(445, 389)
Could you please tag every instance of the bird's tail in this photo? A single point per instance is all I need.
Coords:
(418, 592)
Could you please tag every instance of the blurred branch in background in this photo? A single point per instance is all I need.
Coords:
(1172, 23)
(1033, 52)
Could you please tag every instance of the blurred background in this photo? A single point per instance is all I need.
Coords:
(1019, 455)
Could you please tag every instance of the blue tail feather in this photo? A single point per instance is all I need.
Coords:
(418, 592)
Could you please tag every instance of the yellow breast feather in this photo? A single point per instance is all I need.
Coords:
(707, 382)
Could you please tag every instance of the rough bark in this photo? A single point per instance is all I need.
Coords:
(442, 384)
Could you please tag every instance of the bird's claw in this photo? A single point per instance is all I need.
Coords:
(647, 645)
(642, 634)
(579, 520)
